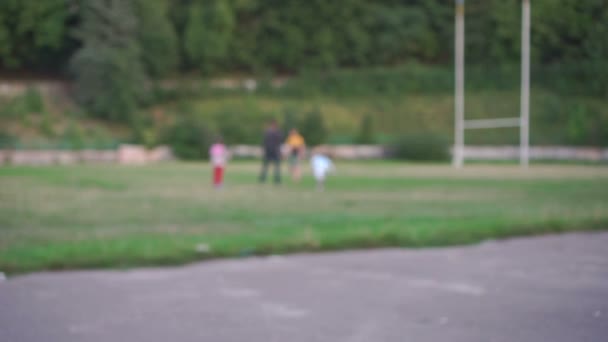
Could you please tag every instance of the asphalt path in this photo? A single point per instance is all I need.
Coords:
(540, 289)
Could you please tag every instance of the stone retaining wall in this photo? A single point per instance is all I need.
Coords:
(338, 151)
(15, 88)
(470, 152)
(126, 154)
(135, 154)
(45, 87)
(537, 153)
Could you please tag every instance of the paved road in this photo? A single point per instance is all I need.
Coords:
(542, 289)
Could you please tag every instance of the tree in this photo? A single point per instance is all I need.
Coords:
(400, 33)
(157, 37)
(208, 33)
(32, 32)
(109, 76)
(295, 36)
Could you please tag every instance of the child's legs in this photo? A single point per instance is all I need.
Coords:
(277, 170)
(320, 178)
(218, 175)
(264, 170)
(294, 167)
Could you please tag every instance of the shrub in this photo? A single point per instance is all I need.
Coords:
(7, 140)
(421, 146)
(366, 131)
(237, 127)
(73, 137)
(143, 130)
(46, 126)
(27, 103)
(100, 138)
(11, 108)
(189, 138)
(313, 128)
(341, 139)
(32, 101)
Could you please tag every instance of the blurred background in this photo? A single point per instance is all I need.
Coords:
(87, 84)
(92, 74)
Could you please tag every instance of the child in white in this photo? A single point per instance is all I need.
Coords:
(321, 165)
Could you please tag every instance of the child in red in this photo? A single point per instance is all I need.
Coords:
(219, 156)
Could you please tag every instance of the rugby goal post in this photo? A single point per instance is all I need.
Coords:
(523, 121)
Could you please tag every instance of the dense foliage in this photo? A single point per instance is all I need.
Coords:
(420, 146)
(189, 138)
(114, 48)
(108, 68)
(157, 37)
(34, 34)
(295, 35)
(313, 128)
(366, 131)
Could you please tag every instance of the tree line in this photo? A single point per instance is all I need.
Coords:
(290, 35)
(116, 44)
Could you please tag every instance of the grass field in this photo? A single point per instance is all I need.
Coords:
(117, 216)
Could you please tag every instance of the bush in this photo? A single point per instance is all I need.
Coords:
(189, 138)
(422, 146)
(32, 101)
(18, 107)
(46, 126)
(366, 131)
(12, 109)
(101, 139)
(237, 127)
(73, 137)
(143, 130)
(313, 128)
(7, 140)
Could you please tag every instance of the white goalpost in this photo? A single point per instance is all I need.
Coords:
(522, 121)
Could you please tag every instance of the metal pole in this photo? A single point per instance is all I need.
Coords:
(458, 153)
(525, 85)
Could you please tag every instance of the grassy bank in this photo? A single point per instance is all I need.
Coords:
(84, 216)
(555, 119)
(399, 101)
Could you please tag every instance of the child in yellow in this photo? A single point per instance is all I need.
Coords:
(297, 149)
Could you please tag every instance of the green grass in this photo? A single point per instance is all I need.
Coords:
(555, 119)
(115, 216)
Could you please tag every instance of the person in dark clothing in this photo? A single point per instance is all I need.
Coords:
(272, 152)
